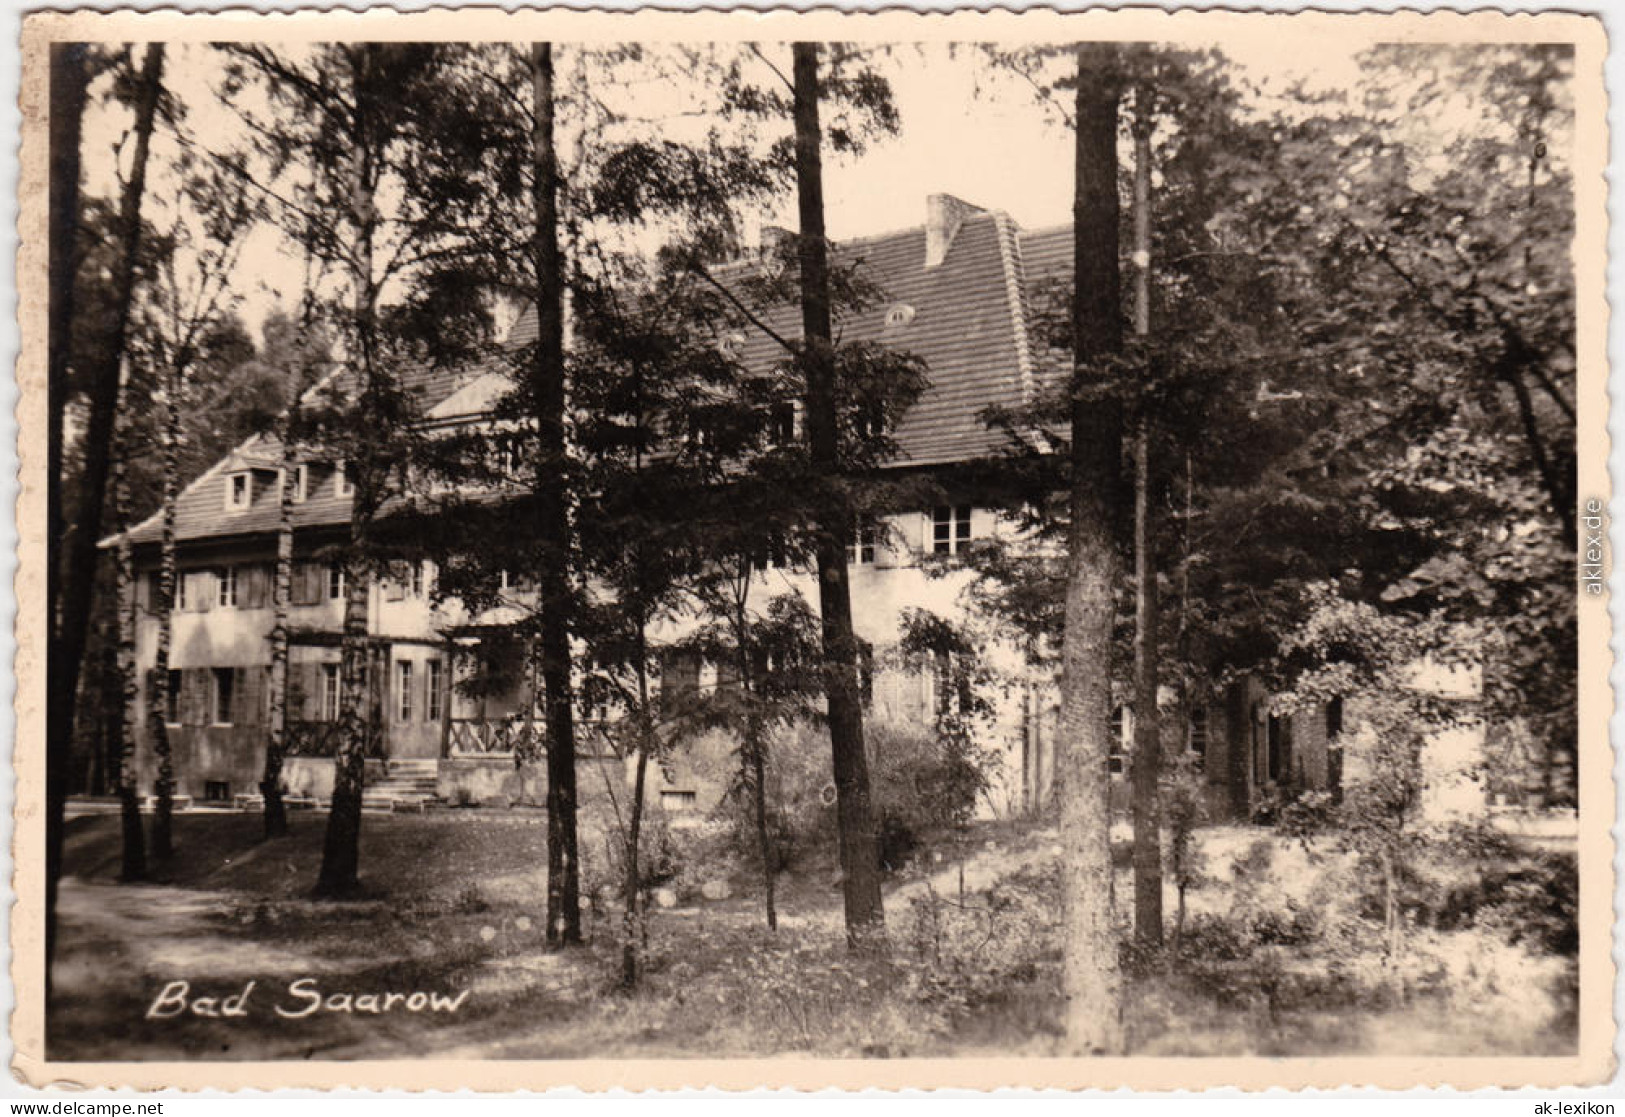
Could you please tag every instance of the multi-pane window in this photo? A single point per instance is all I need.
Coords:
(225, 583)
(861, 550)
(950, 528)
(221, 695)
(403, 690)
(770, 555)
(431, 700)
(172, 699)
(1198, 731)
(1122, 739)
(330, 692)
(418, 579)
(335, 581)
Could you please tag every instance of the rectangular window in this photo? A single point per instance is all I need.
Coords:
(1122, 739)
(341, 481)
(781, 424)
(403, 690)
(180, 590)
(221, 696)
(434, 680)
(172, 699)
(239, 491)
(335, 582)
(216, 791)
(330, 692)
(1198, 740)
(418, 579)
(678, 800)
(225, 581)
(861, 551)
(301, 483)
(950, 528)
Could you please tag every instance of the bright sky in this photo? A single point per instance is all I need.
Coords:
(966, 130)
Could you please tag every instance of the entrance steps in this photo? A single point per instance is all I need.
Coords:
(399, 785)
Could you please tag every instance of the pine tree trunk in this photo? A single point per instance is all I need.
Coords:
(855, 822)
(553, 519)
(134, 859)
(1147, 769)
(764, 842)
(1090, 966)
(276, 737)
(632, 929)
(70, 611)
(163, 843)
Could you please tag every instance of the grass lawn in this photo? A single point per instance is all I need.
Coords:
(454, 903)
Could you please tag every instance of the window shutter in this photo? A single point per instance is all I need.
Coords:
(255, 579)
(143, 591)
(202, 591)
(195, 696)
(247, 692)
(304, 588)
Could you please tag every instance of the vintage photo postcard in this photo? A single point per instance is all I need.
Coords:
(656, 550)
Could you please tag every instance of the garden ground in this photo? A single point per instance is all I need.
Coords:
(1278, 954)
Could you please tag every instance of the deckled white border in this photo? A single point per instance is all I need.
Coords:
(695, 1072)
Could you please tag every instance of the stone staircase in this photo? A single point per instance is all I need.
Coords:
(407, 785)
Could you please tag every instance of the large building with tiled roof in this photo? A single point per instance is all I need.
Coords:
(956, 295)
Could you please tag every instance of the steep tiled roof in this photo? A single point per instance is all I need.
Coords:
(968, 325)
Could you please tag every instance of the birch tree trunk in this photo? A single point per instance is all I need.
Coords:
(163, 842)
(854, 813)
(1090, 968)
(341, 848)
(276, 737)
(133, 864)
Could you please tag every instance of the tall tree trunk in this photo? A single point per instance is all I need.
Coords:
(163, 840)
(276, 737)
(341, 850)
(133, 862)
(632, 929)
(854, 814)
(553, 518)
(1090, 970)
(71, 610)
(1147, 760)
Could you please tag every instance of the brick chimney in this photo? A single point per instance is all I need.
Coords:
(944, 214)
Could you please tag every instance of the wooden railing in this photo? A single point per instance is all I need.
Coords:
(321, 738)
(496, 737)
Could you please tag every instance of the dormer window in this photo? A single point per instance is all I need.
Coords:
(731, 345)
(239, 491)
(341, 481)
(899, 315)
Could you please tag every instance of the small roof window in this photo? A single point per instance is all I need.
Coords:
(900, 314)
(239, 491)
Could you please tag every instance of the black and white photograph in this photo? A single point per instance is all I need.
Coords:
(806, 542)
